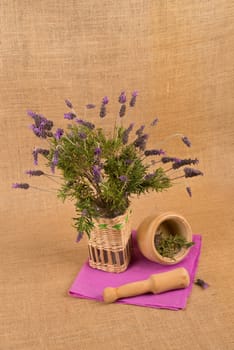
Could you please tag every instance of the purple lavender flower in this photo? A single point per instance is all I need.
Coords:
(85, 123)
(130, 127)
(154, 152)
(102, 113)
(201, 283)
(126, 133)
(90, 106)
(25, 186)
(189, 191)
(190, 172)
(123, 178)
(52, 167)
(139, 131)
(154, 122)
(79, 236)
(34, 172)
(41, 121)
(59, 133)
(42, 126)
(97, 173)
(97, 151)
(31, 113)
(149, 176)
(55, 157)
(84, 212)
(122, 97)
(140, 142)
(105, 100)
(128, 161)
(165, 160)
(68, 103)
(48, 124)
(181, 162)
(82, 135)
(35, 156)
(133, 99)
(186, 141)
(122, 111)
(37, 151)
(54, 161)
(38, 132)
(69, 116)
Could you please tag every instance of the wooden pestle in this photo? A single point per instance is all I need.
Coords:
(156, 283)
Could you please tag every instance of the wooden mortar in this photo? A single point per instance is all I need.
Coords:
(166, 222)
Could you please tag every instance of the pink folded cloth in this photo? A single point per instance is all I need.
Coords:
(90, 282)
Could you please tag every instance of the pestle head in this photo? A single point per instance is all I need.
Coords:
(109, 295)
(165, 281)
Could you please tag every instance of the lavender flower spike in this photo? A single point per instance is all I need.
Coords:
(123, 178)
(55, 160)
(201, 283)
(186, 141)
(25, 186)
(97, 151)
(34, 172)
(37, 151)
(181, 162)
(139, 131)
(102, 113)
(69, 116)
(84, 212)
(154, 122)
(165, 160)
(105, 100)
(133, 99)
(141, 142)
(122, 97)
(59, 133)
(122, 111)
(79, 236)
(90, 106)
(149, 176)
(82, 135)
(31, 113)
(97, 173)
(154, 152)
(55, 157)
(190, 172)
(126, 133)
(41, 126)
(69, 104)
(88, 125)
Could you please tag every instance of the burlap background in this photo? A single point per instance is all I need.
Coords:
(179, 55)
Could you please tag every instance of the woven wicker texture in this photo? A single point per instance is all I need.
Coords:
(110, 243)
(180, 56)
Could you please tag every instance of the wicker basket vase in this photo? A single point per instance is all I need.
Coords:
(110, 243)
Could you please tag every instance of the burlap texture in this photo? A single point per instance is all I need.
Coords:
(179, 55)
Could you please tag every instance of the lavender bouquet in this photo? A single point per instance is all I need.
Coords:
(101, 172)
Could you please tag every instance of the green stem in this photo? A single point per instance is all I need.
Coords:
(170, 137)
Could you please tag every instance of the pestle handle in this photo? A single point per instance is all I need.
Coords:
(156, 283)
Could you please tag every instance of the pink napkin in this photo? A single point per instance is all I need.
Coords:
(90, 282)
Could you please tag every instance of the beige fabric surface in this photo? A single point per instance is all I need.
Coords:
(179, 55)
